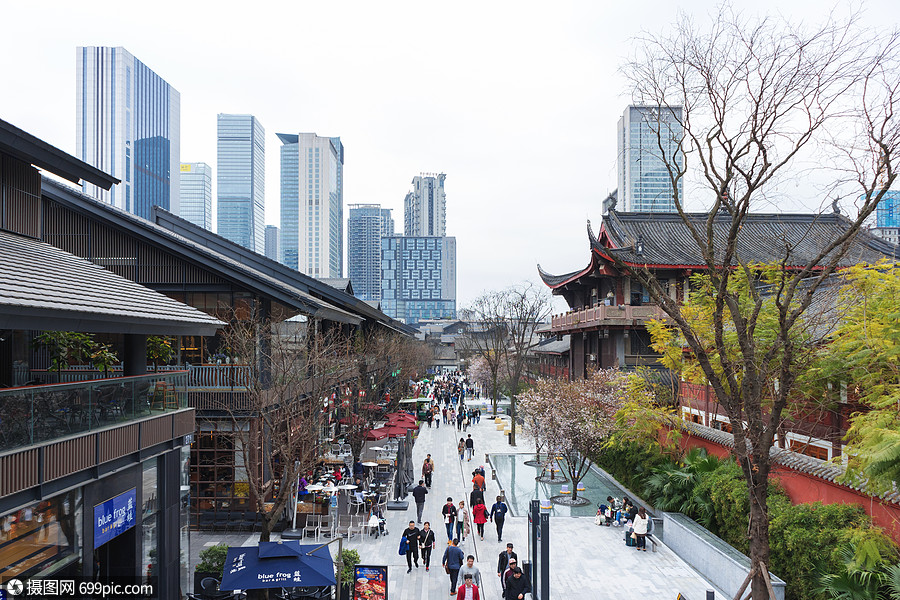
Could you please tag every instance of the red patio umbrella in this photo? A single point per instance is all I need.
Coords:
(402, 425)
(392, 430)
(376, 434)
(399, 415)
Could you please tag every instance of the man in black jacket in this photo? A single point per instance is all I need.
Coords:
(450, 513)
(517, 586)
(419, 494)
(412, 534)
(504, 561)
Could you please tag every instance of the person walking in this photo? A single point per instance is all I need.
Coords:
(480, 516)
(470, 447)
(498, 516)
(470, 570)
(411, 535)
(478, 480)
(476, 496)
(437, 416)
(461, 446)
(468, 590)
(428, 470)
(449, 513)
(426, 544)
(463, 523)
(460, 415)
(452, 562)
(419, 493)
(641, 525)
(503, 563)
(517, 586)
(430, 418)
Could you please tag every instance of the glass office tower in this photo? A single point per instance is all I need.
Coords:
(312, 204)
(366, 225)
(418, 278)
(648, 138)
(196, 194)
(240, 181)
(128, 122)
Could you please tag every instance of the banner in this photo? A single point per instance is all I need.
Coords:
(370, 582)
(114, 517)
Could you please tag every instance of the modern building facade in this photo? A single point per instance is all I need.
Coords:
(425, 207)
(648, 139)
(418, 277)
(273, 242)
(196, 194)
(888, 212)
(312, 204)
(128, 124)
(241, 180)
(366, 225)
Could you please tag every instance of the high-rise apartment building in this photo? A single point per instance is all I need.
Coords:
(241, 180)
(887, 217)
(128, 124)
(425, 207)
(273, 243)
(366, 225)
(648, 138)
(418, 277)
(312, 204)
(196, 194)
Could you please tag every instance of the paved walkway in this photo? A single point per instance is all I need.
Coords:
(587, 562)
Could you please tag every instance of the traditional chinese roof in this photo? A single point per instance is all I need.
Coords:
(794, 239)
(553, 346)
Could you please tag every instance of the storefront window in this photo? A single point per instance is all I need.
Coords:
(150, 497)
(43, 538)
(150, 548)
(185, 522)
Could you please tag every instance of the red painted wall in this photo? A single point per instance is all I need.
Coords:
(803, 487)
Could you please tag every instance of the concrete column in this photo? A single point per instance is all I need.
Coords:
(135, 354)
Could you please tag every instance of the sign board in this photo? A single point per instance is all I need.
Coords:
(185, 168)
(370, 582)
(114, 517)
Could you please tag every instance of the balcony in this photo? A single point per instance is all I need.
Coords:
(207, 377)
(42, 413)
(604, 316)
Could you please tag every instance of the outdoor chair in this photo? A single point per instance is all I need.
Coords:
(356, 505)
(326, 526)
(205, 522)
(343, 526)
(235, 519)
(311, 528)
(220, 523)
(335, 449)
(248, 523)
(358, 524)
(345, 449)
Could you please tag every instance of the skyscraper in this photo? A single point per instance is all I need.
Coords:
(418, 278)
(241, 180)
(888, 212)
(273, 243)
(196, 194)
(128, 125)
(366, 225)
(648, 138)
(425, 207)
(312, 204)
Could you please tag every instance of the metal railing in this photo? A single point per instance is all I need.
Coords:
(199, 376)
(41, 413)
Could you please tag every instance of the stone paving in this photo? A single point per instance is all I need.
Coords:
(587, 562)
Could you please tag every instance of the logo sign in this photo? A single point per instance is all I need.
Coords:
(114, 517)
(185, 168)
(370, 582)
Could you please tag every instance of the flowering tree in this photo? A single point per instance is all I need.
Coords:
(535, 403)
(480, 372)
(574, 417)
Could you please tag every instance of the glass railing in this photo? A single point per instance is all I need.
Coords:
(41, 413)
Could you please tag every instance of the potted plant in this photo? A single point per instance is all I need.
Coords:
(212, 564)
(64, 347)
(349, 560)
(159, 350)
(102, 357)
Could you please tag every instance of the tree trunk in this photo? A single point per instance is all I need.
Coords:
(494, 394)
(759, 530)
(268, 524)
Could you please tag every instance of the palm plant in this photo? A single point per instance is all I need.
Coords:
(671, 486)
(854, 581)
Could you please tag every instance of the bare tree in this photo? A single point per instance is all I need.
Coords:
(758, 96)
(486, 335)
(292, 369)
(525, 307)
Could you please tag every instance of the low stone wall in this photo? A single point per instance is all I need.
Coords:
(710, 555)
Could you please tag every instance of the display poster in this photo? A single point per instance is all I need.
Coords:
(370, 582)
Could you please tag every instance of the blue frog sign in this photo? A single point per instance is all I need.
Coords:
(114, 517)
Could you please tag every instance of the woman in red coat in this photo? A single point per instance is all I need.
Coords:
(480, 514)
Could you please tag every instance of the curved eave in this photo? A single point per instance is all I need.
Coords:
(557, 281)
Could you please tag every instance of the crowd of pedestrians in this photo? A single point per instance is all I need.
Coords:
(449, 397)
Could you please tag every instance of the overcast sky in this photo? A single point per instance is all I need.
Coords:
(516, 102)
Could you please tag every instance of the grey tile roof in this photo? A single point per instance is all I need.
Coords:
(553, 346)
(45, 288)
(825, 470)
(793, 238)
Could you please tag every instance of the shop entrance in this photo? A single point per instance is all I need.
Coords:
(116, 558)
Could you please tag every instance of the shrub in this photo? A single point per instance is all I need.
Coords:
(629, 462)
(212, 560)
(349, 558)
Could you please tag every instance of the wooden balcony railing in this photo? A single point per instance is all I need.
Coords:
(602, 315)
